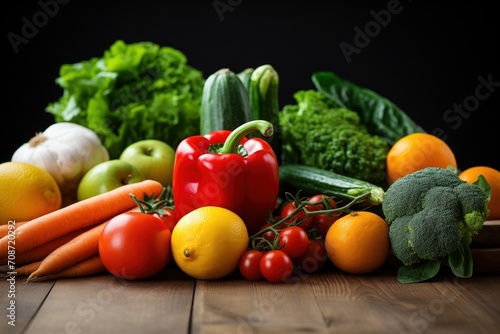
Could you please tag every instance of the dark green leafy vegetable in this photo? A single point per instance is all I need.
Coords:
(381, 116)
(419, 272)
(133, 92)
(316, 133)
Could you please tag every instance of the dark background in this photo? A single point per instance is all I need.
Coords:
(427, 59)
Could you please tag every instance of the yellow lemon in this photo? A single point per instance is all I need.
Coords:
(207, 243)
(26, 192)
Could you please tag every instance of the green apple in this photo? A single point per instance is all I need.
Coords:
(154, 158)
(107, 176)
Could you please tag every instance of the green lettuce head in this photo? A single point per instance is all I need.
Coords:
(133, 92)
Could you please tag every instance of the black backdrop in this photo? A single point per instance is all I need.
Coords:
(430, 59)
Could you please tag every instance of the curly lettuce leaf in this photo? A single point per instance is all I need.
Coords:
(133, 92)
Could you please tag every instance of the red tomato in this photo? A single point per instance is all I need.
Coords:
(269, 235)
(323, 221)
(293, 240)
(249, 265)
(135, 245)
(276, 266)
(290, 207)
(319, 199)
(314, 258)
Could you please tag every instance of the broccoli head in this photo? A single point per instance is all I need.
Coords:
(431, 212)
(316, 133)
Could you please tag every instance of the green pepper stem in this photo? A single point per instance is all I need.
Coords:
(233, 140)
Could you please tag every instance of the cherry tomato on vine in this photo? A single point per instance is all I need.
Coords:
(323, 221)
(135, 245)
(293, 240)
(249, 265)
(290, 207)
(318, 198)
(269, 235)
(276, 266)
(314, 258)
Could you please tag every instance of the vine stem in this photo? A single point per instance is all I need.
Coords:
(302, 206)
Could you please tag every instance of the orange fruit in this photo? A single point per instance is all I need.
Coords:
(417, 151)
(491, 175)
(358, 243)
(26, 192)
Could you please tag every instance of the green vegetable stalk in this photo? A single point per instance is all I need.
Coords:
(133, 92)
(432, 216)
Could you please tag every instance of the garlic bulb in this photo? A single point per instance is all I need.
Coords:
(65, 150)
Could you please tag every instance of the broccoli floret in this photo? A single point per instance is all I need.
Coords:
(431, 212)
(474, 207)
(434, 233)
(412, 189)
(315, 133)
(399, 235)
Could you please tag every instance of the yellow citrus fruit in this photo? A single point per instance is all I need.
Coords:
(208, 242)
(491, 175)
(417, 151)
(358, 243)
(26, 192)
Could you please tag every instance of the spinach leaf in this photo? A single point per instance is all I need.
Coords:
(460, 261)
(381, 116)
(419, 272)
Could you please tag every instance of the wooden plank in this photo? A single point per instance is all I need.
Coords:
(26, 299)
(235, 305)
(479, 300)
(105, 304)
(378, 303)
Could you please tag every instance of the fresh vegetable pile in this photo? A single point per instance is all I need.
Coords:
(211, 175)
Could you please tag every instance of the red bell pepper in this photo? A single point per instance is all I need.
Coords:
(226, 169)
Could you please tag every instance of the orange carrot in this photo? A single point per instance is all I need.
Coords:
(40, 252)
(27, 269)
(74, 251)
(87, 212)
(88, 267)
(4, 229)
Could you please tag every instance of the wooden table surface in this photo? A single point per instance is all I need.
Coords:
(326, 302)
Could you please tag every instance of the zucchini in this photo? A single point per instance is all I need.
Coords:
(313, 180)
(264, 102)
(245, 76)
(224, 103)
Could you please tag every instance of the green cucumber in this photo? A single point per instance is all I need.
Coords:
(224, 103)
(312, 180)
(264, 102)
